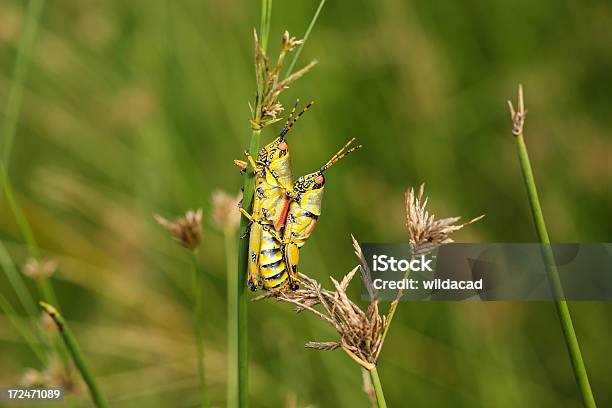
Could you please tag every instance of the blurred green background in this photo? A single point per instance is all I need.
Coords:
(138, 107)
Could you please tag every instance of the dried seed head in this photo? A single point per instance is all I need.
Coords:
(269, 82)
(360, 331)
(424, 231)
(225, 214)
(271, 112)
(518, 117)
(186, 230)
(40, 270)
(54, 375)
(289, 43)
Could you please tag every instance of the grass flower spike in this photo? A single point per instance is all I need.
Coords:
(424, 230)
(224, 215)
(269, 82)
(40, 270)
(361, 331)
(186, 230)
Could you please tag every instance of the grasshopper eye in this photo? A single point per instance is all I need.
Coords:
(319, 179)
(283, 146)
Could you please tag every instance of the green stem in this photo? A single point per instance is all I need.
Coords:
(232, 325)
(243, 245)
(563, 312)
(197, 326)
(17, 283)
(76, 354)
(380, 396)
(306, 35)
(242, 298)
(24, 331)
(44, 285)
(266, 17)
(13, 103)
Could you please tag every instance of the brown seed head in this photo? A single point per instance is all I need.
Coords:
(518, 116)
(225, 210)
(186, 230)
(424, 230)
(360, 331)
(270, 83)
(40, 270)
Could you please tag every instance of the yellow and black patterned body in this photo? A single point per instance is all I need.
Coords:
(272, 268)
(270, 206)
(304, 212)
(305, 209)
(273, 193)
(273, 184)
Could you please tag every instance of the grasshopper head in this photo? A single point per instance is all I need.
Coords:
(309, 189)
(310, 182)
(311, 186)
(275, 150)
(278, 148)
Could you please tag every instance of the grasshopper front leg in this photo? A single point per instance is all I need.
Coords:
(243, 165)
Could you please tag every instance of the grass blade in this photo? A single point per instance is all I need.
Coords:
(76, 354)
(24, 331)
(306, 35)
(13, 104)
(17, 283)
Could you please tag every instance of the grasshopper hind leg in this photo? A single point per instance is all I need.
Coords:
(254, 280)
(292, 257)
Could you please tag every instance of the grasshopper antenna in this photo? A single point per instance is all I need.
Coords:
(289, 124)
(342, 153)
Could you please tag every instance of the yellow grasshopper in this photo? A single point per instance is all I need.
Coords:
(305, 209)
(273, 192)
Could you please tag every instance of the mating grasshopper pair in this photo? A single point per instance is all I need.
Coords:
(284, 212)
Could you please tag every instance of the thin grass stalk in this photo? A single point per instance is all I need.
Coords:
(17, 282)
(563, 312)
(243, 244)
(44, 286)
(11, 314)
(76, 354)
(305, 38)
(380, 396)
(27, 302)
(197, 326)
(232, 326)
(15, 96)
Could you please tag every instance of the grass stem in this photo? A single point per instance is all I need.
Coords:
(380, 396)
(76, 354)
(232, 325)
(561, 306)
(23, 330)
(242, 297)
(243, 245)
(197, 327)
(15, 96)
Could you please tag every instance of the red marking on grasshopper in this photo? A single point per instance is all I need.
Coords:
(314, 224)
(283, 214)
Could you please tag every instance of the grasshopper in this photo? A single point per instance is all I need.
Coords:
(305, 209)
(273, 192)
